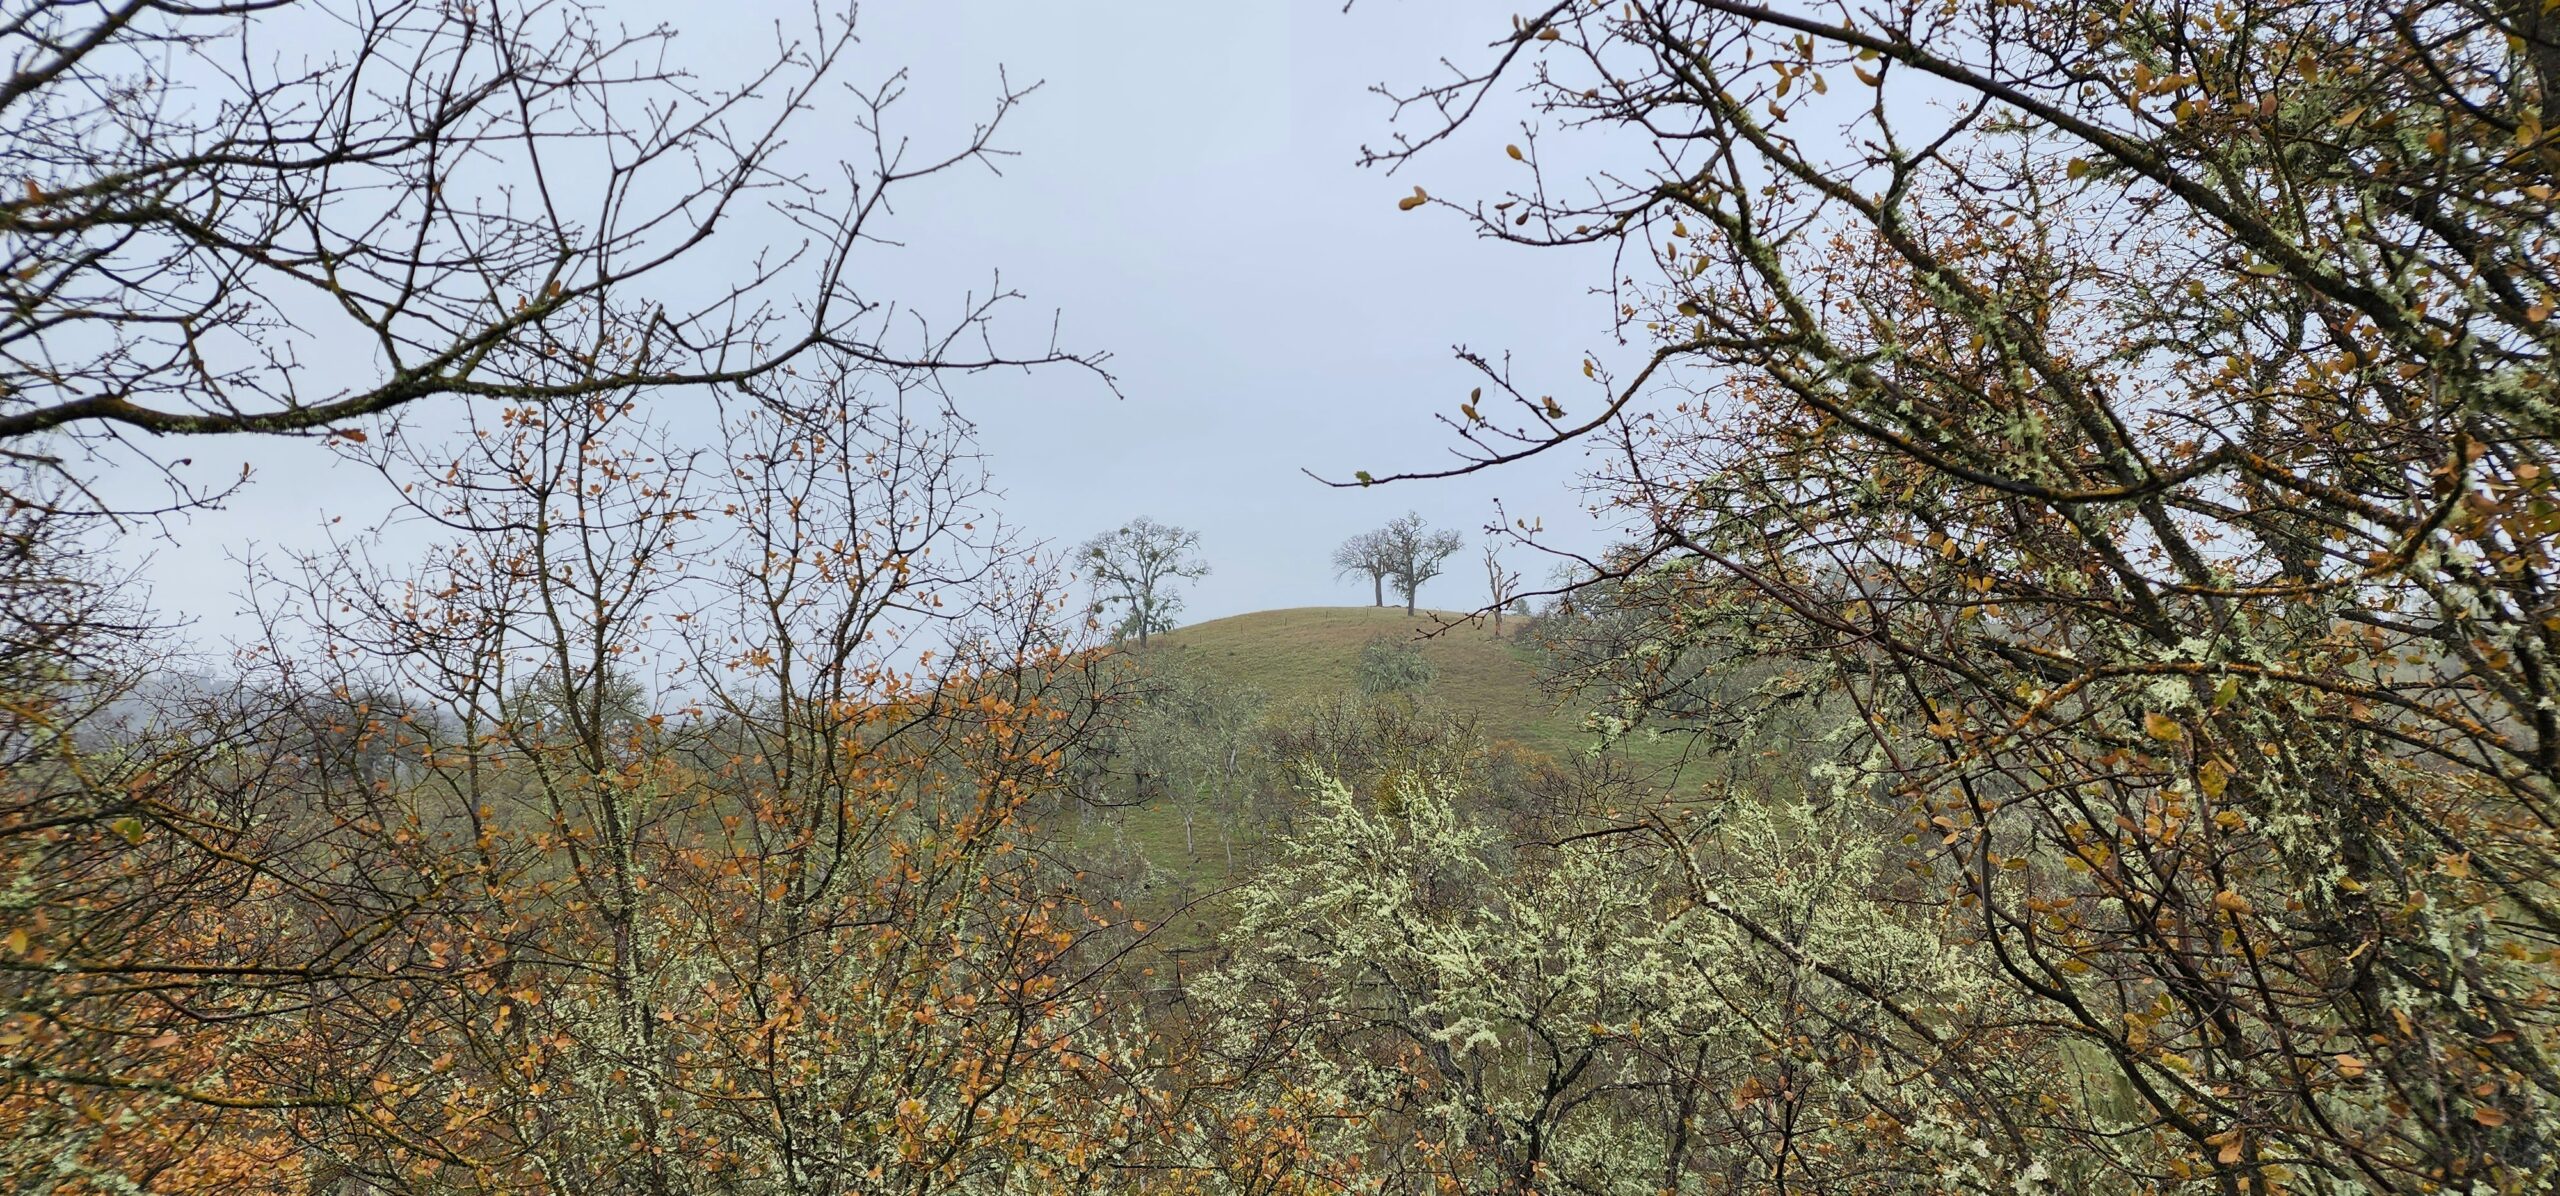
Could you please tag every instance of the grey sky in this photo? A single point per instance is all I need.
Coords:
(1185, 197)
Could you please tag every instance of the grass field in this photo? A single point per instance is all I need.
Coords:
(1314, 652)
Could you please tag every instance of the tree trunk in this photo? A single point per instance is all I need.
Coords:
(1227, 825)
(1378, 588)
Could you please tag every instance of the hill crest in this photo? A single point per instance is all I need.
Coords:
(1312, 652)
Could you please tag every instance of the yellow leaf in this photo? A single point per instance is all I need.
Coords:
(2489, 1116)
(1549, 34)
(2162, 727)
(1514, 151)
(18, 941)
(1415, 200)
(2231, 903)
(2078, 168)
(2349, 1066)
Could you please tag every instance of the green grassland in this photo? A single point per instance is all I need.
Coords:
(1313, 653)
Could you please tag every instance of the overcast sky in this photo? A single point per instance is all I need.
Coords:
(1186, 197)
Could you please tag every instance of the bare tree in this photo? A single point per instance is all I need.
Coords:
(1134, 566)
(1415, 553)
(1366, 554)
(655, 727)
(286, 218)
(1502, 584)
(282, 217)
(2140, 421)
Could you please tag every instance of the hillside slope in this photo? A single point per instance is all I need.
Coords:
(1314, 652)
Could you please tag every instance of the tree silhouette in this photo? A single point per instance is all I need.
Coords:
(1414, 553)
(1133, 567)
(1366, 555)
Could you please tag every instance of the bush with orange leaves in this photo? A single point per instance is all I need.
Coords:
(639, 837)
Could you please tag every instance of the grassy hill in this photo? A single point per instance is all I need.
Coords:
(1314, 651)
